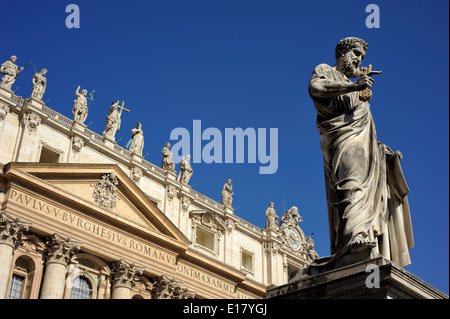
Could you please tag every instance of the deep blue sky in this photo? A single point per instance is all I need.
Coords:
(247, 63)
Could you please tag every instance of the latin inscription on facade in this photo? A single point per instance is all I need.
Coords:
(122, 240)
(90, 227)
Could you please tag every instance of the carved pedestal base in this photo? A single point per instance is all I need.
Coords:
(228, 210)
(6, 92)
(35, 103)
(109, 142)
(375, 278)
(78, 126)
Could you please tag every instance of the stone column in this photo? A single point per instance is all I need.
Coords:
(124, 274)
(10, 236)
(60, 251)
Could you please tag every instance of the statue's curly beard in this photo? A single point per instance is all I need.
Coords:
(347, 67)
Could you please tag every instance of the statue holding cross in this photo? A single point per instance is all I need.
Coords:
(113, 120)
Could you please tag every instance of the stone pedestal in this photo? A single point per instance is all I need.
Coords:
(38, 104)
(228, 210)
(373, 278)
(78, 126)
(136, 158)
(171, 176)
(109, 142)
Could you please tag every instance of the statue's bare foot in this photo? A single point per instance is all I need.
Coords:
(360, 243)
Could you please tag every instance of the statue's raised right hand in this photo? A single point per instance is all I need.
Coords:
(363, 82)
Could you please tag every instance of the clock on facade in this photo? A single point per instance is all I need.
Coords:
(293, 238)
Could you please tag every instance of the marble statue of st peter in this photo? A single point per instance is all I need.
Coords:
(365, 188)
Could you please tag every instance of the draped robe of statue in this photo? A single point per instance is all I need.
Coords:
(136, 143)
(365, 188)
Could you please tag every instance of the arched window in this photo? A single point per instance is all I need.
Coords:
(22, 278)
(16, 287)
(81, 288)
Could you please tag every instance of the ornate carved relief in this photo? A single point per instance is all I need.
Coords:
(136, 174)
(271, 248)
(11, 229)
(32, 245)
(142, 286)
(4, 110)
(185, 204)
(230, 225)
(31, 121)
(77, 144)
(171, 192)
(125, 274)
(293, 237)
(61, 249)
(166, 287)
(105, 191)
(210, 220)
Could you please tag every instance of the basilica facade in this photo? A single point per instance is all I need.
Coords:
(84, 218)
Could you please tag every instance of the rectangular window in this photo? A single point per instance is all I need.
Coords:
(205, 238)
(48, 156)
(16, 287)
(247, 261)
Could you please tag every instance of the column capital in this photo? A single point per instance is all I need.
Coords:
(165, 287)
(60, 250)
(125, 273)
(11, 229)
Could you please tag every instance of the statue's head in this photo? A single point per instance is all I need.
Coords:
(271, 204)
(13, 59)
(44, 71)
(84, 92)
(168, 145)
(228, 181)
(188, 157)
(349, 53)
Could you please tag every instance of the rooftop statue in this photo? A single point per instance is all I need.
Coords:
(186, 170)
(365, 187)
(80, 106)
(227, 193)
(10, 72)
(167, 162)
(39, 84)
(113, 120)
(136, 144)
(271, 217)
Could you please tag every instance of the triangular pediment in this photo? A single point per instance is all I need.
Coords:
(101, 189)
